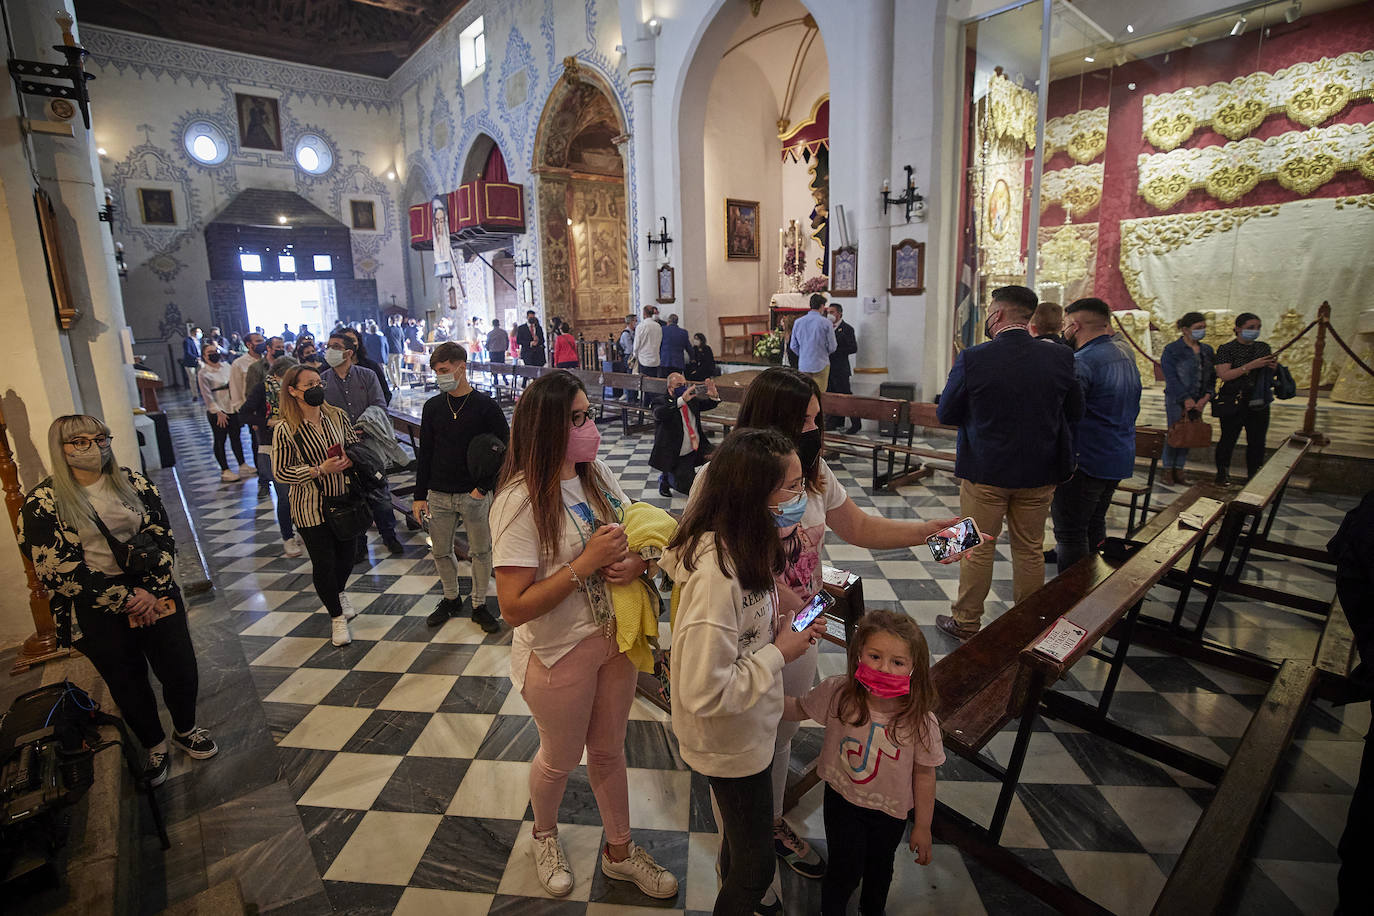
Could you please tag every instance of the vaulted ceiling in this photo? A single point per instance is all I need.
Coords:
(373, 37)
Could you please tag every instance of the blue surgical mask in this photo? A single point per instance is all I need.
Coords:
(446, 381)
(1198, 333)
(789, 514)
(1250, 333)
(679, 391)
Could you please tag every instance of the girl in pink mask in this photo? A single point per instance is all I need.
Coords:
(557, 542)
(882, 745)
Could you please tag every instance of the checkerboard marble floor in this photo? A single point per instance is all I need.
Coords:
(407, 752)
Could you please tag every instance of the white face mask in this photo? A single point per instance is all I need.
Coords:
(335, 358)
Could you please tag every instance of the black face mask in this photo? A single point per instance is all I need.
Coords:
(809, 448)
(314, 396)
(260, 349)
(212, 356)
(278, 354)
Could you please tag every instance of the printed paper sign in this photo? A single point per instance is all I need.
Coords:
(1061, 640)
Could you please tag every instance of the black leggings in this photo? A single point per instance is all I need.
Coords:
(862, 843)
(232, 431)
(746, 841)
(1255, 422)
(331, 560)
(122, 654)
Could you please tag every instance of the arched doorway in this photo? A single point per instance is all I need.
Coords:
(579, 170)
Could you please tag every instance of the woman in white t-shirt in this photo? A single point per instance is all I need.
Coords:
(557, 542)
(790, 402)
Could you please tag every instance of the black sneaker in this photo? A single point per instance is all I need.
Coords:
(264, 491)
(159, 766)
(482, 617)
(664, 489)
(198, 744)
(446, 608)
(394, 547)
(1223, 479)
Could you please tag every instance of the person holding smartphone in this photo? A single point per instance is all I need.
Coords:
(731, 641)
(789, 401)
(680, 444)
(557, 543)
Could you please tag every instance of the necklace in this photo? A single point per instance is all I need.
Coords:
(449, 404)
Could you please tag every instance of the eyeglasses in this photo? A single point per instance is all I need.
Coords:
(795, 493)
(84, 443)
(580, 417)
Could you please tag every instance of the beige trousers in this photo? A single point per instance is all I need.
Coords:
(1025, 511)
(822, 378)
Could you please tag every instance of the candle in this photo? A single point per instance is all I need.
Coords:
(781, 235)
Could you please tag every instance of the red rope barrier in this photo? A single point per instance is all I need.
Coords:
(1349, 352)
(1139, 349)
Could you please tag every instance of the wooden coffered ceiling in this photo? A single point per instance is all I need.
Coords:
(372, 37)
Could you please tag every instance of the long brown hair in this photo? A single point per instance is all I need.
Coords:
(909, 723)
(745, 470)
(778, 399)
(538, 445)
(290, 409)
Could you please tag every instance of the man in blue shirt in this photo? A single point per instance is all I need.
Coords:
(813, 340)
(674, 349)
(354, 389)
(1104, 440)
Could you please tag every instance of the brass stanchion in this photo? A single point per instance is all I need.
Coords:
(42, 645)
(1309, 420)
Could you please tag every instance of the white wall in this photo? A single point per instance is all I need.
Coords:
(147, 91)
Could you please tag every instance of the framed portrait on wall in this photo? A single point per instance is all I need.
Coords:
(155, 207)
(259, 122)
(908, 268)
(741, 230)
(844, 271)
(667, 289)
(364, 215)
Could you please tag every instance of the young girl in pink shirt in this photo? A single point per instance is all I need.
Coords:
(882, 745)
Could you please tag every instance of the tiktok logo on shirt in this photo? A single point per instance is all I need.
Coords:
(861, 759)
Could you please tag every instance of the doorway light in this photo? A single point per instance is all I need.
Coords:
(282, 220)
(250, 263)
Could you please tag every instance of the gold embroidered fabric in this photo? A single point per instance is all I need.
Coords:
(1082, 134)
(1078, 188)
(1310, 93)
(1354, 385)
(1010, 112)
(1301, 161)
(1066, 261)
(1136, 322)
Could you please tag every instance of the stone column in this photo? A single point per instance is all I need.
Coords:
(641, 73)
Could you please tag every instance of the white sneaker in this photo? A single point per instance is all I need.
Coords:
(291, 548)
(339, 633)
(247, 471)
(349, 611)
(650, 877)
(552, 866)
(228, 476)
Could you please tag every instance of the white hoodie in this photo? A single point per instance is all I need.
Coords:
(726, 672)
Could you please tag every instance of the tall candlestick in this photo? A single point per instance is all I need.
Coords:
(781, 234)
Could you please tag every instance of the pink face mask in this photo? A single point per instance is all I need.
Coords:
(882, 684)
(583, 442)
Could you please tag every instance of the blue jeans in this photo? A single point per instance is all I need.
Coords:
(264, 465)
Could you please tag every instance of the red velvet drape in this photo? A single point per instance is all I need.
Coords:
(1310, 38)
(495, 169)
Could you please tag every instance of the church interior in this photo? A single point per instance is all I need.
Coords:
(178, 176)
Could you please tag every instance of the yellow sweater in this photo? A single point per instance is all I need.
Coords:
(636, 605)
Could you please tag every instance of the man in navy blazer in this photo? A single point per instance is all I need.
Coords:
(1013, 399)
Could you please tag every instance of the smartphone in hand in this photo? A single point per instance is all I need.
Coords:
(334, 451)
(954, 540)
(814, 608)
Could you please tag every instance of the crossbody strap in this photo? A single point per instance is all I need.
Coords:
(118, 550)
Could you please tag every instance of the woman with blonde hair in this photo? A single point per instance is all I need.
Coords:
(308, 455)
(99, 540)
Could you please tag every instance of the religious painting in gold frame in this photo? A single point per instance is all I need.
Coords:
(155, 207)
(908, 268)
(844, 271)
(667, 285)
(741, 230)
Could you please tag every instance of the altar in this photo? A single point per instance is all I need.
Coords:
(783, 309)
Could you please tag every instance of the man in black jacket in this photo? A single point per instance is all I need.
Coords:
(846, 345)
(364, 359)
(529, 337)
(680, 444)
(1013, 399)
(447, 485)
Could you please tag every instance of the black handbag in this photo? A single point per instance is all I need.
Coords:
(140, 555)
(1284, 386)
(347, 514)
(1227, 402)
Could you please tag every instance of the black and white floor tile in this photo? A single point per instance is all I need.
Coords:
(406, 754)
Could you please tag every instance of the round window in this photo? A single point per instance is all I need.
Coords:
(206, 143)
(313, 154)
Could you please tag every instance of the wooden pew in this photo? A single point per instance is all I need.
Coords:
(1135, 493)
(998, 676)
(891, 411)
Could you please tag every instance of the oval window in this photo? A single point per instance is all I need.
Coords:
(206, 143)
(313, 154)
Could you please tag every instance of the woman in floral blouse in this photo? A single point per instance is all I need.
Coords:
(99, 540)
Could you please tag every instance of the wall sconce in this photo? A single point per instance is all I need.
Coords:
(120, 263)
(662, 239)
(106, 213)
(74, 72)
(910, 198)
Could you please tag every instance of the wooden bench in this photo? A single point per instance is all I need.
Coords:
(1135, 493)
(741, 343)
(997, 677)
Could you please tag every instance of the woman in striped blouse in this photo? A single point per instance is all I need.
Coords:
(300, 456)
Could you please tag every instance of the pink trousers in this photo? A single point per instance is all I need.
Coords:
(583, 701)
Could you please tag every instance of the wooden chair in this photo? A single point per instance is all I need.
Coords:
(1136, 492)
(740, 342)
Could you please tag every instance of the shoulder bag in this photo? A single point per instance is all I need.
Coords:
(347, 514)
(1191, 431)
(1284, 386)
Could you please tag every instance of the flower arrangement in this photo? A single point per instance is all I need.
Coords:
(769, 347)
(793, 263)
(816, 284)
